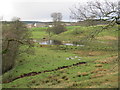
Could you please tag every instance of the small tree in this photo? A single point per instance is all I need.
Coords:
(57, 17)
(14, 34)
(57, 25)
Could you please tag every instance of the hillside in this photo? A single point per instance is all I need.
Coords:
(91, 64)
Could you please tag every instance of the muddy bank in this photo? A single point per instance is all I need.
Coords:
(36, 73)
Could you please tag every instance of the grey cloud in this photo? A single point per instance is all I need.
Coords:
(41, 10)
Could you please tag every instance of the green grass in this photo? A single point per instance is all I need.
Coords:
(42, 61)
(43, 80)
(39, 33)
(74, 31)
(38, 28)
(79, 32)
(48, 57)
(51, 59)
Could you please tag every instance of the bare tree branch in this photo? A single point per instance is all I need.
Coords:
(15, 40)
(93, 10)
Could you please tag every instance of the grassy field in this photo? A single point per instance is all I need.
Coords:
(100, 69)
(38, 33)
(79, 32)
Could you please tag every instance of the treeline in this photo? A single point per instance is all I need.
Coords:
(14, 34)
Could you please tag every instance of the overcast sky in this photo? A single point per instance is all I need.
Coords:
(39, 10)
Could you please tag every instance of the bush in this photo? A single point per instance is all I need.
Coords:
(57, 29)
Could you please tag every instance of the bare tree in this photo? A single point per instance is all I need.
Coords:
(57, 24)
(56, 16)
(95, 10)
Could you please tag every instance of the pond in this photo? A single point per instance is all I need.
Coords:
(55, 42)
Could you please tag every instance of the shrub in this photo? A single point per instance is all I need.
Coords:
(57, 29)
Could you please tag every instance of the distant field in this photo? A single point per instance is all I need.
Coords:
(100, 69)
(38, 33)
(75, 31)
(78, 32)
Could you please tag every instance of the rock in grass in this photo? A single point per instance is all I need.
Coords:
(76, 56)
(67, 58)
(72, 58)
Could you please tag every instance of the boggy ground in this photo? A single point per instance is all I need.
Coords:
(98, 68)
